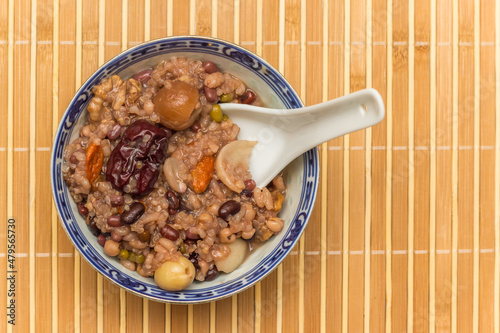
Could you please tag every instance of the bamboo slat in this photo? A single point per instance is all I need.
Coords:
(486, 136)
(357, 167)
(466, 106)
(444, 117)
(405, 232)
(420, 166)
(5, 104)
(400, 165)
(379, 176)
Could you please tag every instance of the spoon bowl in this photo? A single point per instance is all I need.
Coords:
(284, 134)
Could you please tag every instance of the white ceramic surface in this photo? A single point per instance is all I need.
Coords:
(284, 134)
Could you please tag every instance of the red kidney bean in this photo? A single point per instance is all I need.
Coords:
(142, 143)
(169, 232)
(192, 235)
(210, 94)
(143, 76)
(117, 238)
(73, 159)
(114, 132)
(182, 206)
(193, 257)
(196, 126)
(189, 242)
(114, 221)
(248, 97)
(101, 240)
(133, 214)
(82, 209)
(210, 67)
(250, 184)
(172, 211)
(173, 201)
(116, 200)
(212, 274)
(228, 208)
(93, 227)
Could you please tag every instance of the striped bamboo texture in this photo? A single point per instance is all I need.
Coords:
(405, 234)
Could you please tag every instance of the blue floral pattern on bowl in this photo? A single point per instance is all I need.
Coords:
(124, 64)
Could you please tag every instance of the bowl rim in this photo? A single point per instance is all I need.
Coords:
(97, 268)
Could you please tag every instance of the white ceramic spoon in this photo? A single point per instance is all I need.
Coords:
(284, 134)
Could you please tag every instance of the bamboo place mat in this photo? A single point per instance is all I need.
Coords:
(405, 235)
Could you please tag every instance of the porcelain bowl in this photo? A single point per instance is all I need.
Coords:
(301, 176)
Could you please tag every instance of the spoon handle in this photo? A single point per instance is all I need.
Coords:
(329, 120)
(284, 134)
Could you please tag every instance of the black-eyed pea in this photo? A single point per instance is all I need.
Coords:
(204, 218)
(149, 107)
(159, 249)
(204, 266)
(249, 213)
(137, 244)
(128, 264)
(140, 271)
(112, 248)
(278, 183)
(213, 80)
(226, 236)
(258, 197)
(214, 209)
(248, 234)
(265, 234)
(194, 201)
(268, 199)
(167, 244)
(275, 224)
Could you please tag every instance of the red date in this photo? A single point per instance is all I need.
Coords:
(134, 164)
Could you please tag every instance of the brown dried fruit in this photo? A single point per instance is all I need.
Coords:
(175, 105)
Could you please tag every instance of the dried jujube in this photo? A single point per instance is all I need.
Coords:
(134, 164)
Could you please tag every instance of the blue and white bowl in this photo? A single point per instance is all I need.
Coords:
(301, 175)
